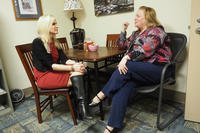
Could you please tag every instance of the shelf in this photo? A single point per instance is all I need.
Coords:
(2, 107)
(5, 100)
(2, 92)
(6, 110)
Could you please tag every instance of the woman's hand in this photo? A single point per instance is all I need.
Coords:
(78, 67)
(70, 62)
(125, 26)
(122, 65)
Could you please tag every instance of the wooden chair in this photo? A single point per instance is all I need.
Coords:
(63, 43)
(25, 54)
(111, 40)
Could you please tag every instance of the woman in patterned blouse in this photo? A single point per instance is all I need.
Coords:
(147, 52)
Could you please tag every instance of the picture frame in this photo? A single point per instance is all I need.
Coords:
(109, 7)
(27, 9)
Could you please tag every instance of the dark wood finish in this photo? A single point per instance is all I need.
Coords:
(111, 40)
(25, 54)
(63, 43)
(101, 54)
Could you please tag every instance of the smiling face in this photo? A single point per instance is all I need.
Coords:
(53, 28)
(140, 21)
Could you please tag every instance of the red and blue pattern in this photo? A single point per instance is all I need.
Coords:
(148, 46)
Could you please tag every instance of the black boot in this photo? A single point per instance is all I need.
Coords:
(82, 111)
(79, 89)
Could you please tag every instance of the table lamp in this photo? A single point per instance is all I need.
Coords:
(77, 35)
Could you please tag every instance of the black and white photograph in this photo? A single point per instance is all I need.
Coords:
(107, 7)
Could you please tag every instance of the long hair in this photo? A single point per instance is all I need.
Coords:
(150, 16)
(44, 24)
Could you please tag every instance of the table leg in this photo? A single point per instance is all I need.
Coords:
(98, 89)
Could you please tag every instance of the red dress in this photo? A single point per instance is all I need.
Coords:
(51, 79)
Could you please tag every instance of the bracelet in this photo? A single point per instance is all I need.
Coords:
(72, 67)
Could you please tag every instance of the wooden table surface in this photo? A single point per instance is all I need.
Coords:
(101, 54)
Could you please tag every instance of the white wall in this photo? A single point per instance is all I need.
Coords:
(174, 15)
(17, 32)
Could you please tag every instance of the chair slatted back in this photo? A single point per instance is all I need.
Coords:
(25, 54)
(111, 40)
(63, 43)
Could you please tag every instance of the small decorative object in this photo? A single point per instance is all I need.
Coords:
(27, 9)
(77, 35)
(107, 7)
(92, 46)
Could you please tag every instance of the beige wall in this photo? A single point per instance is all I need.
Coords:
(14, 32)
(174, 15)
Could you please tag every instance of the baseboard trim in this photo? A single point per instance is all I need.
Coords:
(28, 91)
(174, 96)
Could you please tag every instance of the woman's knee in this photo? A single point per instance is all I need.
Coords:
(69, 83)
(76, 74)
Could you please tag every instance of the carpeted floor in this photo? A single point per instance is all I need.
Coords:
(140, 118)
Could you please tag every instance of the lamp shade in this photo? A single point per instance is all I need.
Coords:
(71, 5)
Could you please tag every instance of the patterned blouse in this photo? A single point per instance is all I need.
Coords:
(149, 46)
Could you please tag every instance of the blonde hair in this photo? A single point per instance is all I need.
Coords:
(150, 16)
(44, 24)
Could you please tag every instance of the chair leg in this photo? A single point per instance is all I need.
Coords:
(106, 63)
(163, 125)
(39, 112)
(51, 103)
(88, 86)
(71, 109)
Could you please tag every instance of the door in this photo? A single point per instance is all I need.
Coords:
(192, 107)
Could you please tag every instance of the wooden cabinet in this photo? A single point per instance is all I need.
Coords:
(5, 100)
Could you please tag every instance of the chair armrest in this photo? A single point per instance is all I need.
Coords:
(167, 66)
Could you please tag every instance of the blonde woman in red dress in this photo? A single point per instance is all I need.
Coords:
(52, 69)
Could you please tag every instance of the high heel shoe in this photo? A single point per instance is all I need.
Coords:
(110, 131)
(93, 104)
(83, 113)
(113, 130)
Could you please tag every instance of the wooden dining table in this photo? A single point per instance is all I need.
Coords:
(102, 54)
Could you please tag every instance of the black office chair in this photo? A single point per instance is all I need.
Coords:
(177, 43)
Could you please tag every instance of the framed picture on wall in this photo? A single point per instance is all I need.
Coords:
(27, 9)
(107, 7)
